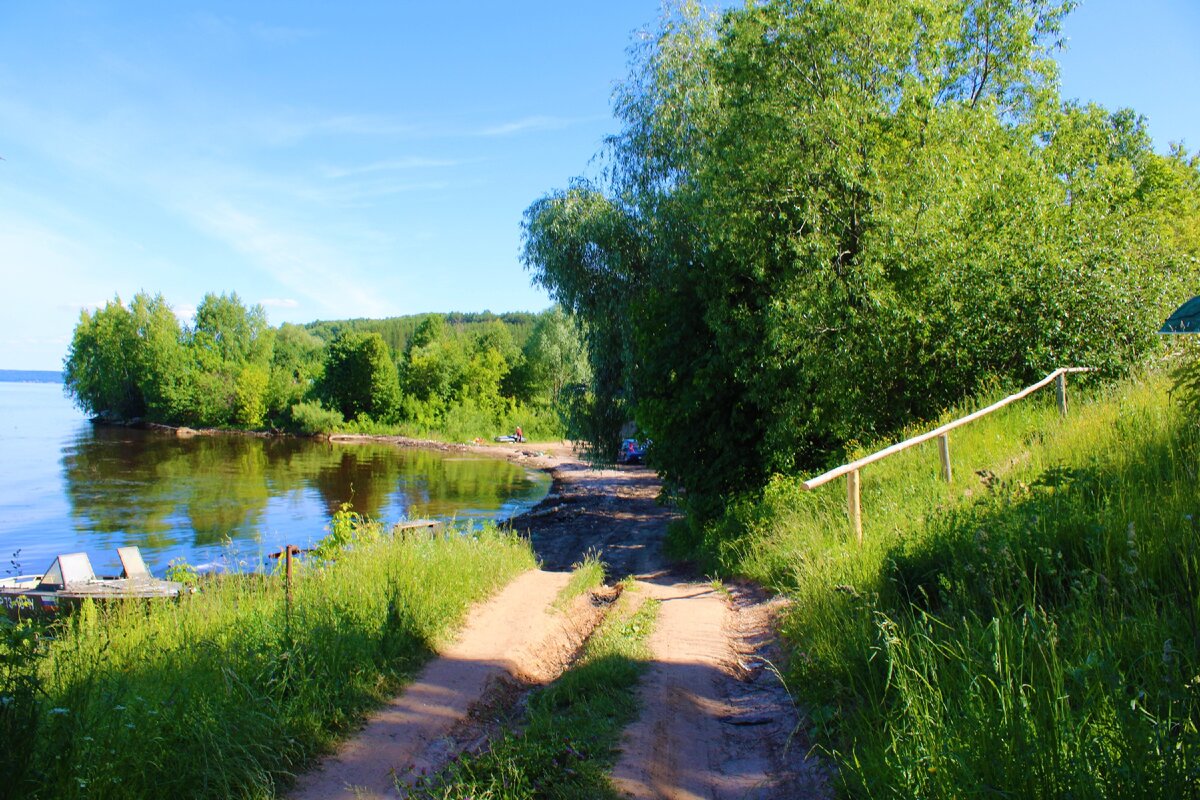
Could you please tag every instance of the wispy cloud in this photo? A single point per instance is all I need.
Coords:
(528, 125)
(297, 261)
(279, 302)
(184, 312)
(389, 165)
(231, 29)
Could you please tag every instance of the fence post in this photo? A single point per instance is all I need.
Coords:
(853, 506)
(944, 450)
(1062, 393)
(287, 572)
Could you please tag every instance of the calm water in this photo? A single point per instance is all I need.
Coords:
(67, 486)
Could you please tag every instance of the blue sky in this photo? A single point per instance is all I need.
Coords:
(358, 159)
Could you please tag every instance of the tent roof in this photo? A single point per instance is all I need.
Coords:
(1186, 318)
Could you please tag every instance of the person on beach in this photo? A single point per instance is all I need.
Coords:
(520, 437)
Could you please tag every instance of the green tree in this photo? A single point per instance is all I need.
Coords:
(226, 338)
(360, 377)
(236, 334)
(825, 219)
(554, 358)
(100, 370)
(297, 363)
(164, 370)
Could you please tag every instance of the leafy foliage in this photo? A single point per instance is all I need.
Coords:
(360, 377)
(460, 375)
(825, 219)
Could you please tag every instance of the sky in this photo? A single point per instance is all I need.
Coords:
(357, 160)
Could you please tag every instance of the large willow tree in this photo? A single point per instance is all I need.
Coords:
(825, 218)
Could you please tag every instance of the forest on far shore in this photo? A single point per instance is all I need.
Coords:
(459, 375)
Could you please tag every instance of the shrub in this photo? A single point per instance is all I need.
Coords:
(312, 418)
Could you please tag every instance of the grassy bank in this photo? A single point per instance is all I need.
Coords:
(1029, 630)
(567, 744)
(228, 693)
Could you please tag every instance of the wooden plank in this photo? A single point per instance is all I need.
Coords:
(1062, 394)
(853, 466)
(416, 523)
(854, 506)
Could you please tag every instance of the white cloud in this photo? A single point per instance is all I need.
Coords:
(528, 124)
(389, 165)
(184, 312)
(300, 262)
(279, 302)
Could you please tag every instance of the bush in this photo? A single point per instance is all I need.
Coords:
(312, 418)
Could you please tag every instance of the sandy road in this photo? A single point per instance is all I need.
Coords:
(716, 722)
(515, 636)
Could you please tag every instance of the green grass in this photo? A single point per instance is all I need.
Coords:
(228, 693)
(568, 741)
(1030, 631)
(587, 575)
(467, 421)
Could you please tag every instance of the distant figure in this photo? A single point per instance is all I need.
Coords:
(520, 436)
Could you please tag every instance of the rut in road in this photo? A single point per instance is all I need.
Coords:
(517, 636)
(715, 720)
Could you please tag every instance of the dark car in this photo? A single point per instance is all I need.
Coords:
(632, 452)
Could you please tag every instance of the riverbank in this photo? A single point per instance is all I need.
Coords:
(230, 692)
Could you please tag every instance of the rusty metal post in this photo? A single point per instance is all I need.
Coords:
(854, 505)
(287, 573)
(944, 451)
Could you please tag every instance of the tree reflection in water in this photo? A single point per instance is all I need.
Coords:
(191, 497)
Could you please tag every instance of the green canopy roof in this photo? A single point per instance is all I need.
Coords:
(1186, 318)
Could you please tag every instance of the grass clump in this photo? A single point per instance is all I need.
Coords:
(231, 691)
(568, 742)
(1030, 630)
(587, 575)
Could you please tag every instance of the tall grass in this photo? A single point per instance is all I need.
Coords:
(1030, 630)
(231, 691)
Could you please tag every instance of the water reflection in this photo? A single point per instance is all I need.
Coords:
(192, 497)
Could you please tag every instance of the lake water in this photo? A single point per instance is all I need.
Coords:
(67, 486)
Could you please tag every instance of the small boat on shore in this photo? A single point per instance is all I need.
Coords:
(71, 579)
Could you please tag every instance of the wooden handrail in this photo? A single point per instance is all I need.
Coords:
(853, 467)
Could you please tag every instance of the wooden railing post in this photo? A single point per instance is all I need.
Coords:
(941, 433)
(944, 450)
(854, 506)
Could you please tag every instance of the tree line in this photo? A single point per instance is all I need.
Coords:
(824, 219)
(460, 374)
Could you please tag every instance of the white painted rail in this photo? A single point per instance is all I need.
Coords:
(853, 507)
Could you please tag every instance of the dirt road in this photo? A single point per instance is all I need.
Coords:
(716, 722)
(517, 637)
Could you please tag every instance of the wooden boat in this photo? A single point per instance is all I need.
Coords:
(71, 579)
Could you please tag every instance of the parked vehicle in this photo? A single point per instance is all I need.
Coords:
(71, 579)
(632, 451)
